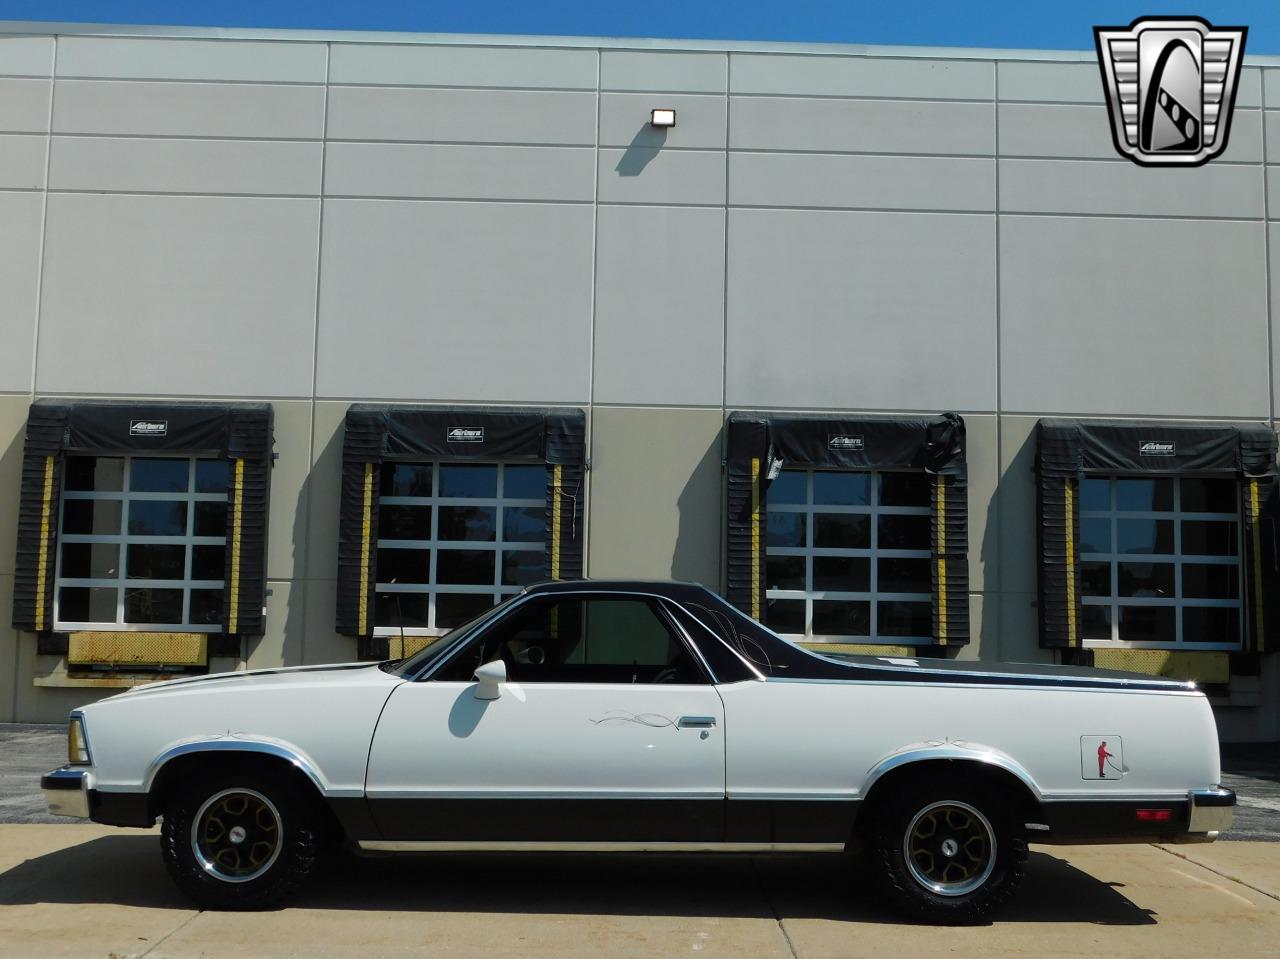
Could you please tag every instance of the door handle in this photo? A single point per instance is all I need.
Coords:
(696, 722)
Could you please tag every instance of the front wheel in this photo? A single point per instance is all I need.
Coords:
(948, 851)
(240, 840)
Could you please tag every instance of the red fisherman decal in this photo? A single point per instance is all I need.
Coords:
(1103, 756)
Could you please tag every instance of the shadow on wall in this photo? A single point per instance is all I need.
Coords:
(323, 490)
(1013, 506)
(987, 632)
(644, 146)
(695, 555)
(282, 642)
(288, 629)
(295, 619)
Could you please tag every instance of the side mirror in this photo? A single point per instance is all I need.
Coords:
(489, 676)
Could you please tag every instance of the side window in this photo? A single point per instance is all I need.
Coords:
(579, 639)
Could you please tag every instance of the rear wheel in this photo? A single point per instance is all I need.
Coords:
(240, 840)
(948, 851)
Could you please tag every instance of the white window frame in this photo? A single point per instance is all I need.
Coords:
(874, 553)
(497, 591)
(1177, 559)
(122, 583)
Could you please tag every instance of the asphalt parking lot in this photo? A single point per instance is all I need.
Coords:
(1254, 773)
(1194, 901)
(26, 753)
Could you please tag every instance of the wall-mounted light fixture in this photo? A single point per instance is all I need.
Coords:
(663, 118)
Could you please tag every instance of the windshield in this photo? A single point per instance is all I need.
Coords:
(424, 657)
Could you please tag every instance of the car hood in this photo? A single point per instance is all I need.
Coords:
(287, 675)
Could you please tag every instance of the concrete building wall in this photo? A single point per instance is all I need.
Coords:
(318, 220)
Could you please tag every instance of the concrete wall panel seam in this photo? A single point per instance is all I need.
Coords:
(44, 226)
(302, 543)
(1267, 257)
(590, 437)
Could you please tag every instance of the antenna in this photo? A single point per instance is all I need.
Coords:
(399, 621)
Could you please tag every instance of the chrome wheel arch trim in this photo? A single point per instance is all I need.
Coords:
(262, 747)
(966, 752)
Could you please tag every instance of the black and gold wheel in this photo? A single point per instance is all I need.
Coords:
(949, 848)
(236, 835)
(240, 840)
(948, 851)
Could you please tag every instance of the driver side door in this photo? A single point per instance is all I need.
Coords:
(608, 729)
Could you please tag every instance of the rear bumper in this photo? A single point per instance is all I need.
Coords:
(1199, 818)
(1212, 810)
(66, 790)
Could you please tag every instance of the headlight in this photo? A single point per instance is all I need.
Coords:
(77, 744)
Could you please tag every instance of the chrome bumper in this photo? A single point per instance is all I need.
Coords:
(67, 792)
(1211, 810)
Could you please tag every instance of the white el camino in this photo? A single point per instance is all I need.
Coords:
(618, 716)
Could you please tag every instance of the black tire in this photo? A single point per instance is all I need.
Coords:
(277, 847)
(947, 851)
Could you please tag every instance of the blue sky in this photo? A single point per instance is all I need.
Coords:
(1002, 23)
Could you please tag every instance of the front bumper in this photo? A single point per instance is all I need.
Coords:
(70, 791)
(1212, 811)
(67, 791)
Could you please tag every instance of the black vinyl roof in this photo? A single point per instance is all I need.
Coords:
(672, 589)
(782, 660)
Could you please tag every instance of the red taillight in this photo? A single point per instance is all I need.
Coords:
(1155, 815)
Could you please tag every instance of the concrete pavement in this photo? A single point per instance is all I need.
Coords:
(92, 891)
(77, 890)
